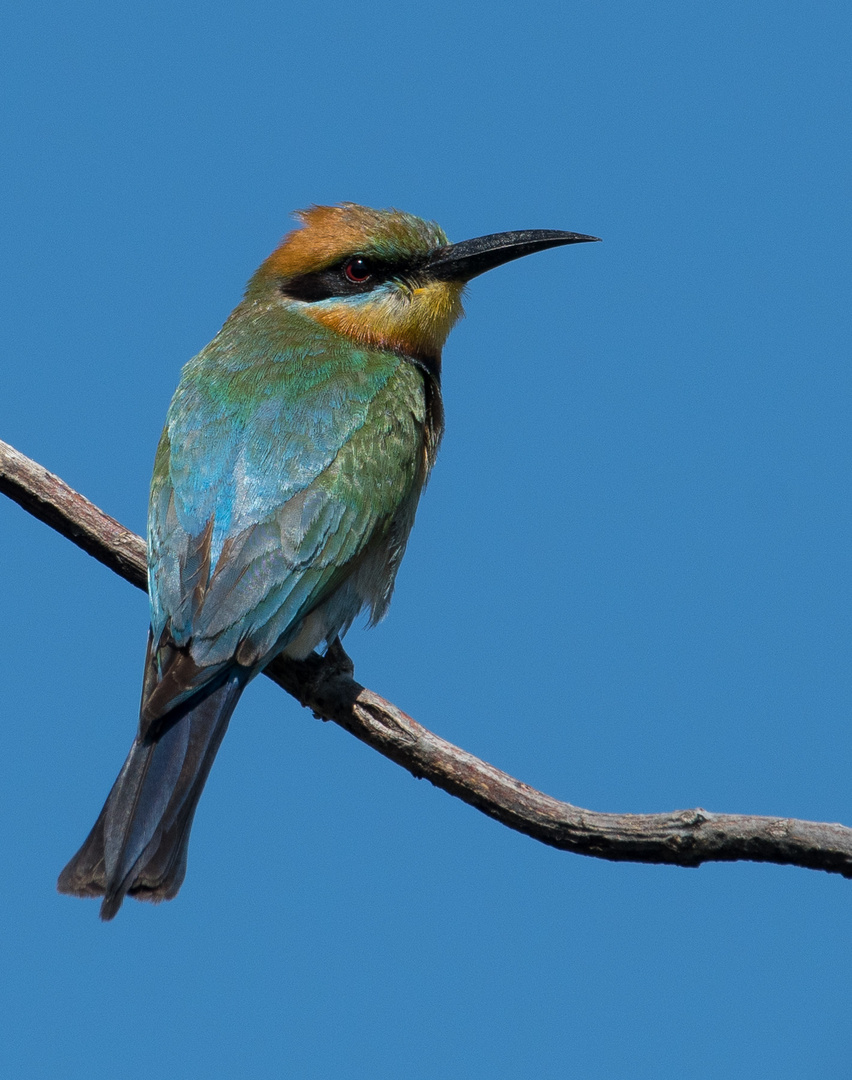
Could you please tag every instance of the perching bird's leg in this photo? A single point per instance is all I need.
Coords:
(337, 660)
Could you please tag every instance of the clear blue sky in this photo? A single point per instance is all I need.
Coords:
(629, 584)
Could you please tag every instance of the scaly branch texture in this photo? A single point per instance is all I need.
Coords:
(325, 686)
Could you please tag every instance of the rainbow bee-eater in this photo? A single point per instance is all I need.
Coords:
(285, 486)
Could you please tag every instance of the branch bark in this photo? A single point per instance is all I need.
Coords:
(325, 686)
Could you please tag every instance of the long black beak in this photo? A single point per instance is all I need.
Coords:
(461, 262)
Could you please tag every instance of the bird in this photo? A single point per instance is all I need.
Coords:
(284, 489)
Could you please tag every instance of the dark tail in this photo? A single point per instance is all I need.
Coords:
(139, 842)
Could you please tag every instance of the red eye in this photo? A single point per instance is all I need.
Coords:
(357, 271)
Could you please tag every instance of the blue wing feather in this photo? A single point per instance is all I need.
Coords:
(248, 428)
(257, 514)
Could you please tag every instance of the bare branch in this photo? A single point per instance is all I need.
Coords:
(50, 499)
(325, 685)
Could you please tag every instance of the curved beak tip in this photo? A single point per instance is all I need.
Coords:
(467, 260)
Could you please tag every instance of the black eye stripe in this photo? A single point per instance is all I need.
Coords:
(335, 281)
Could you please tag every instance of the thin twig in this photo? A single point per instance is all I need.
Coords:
(326, 686)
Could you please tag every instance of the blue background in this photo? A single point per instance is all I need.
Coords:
(630, 581)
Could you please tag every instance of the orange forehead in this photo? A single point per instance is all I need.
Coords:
(330, 233)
